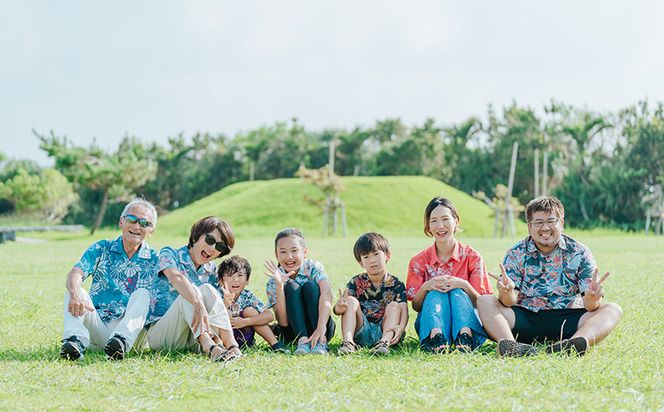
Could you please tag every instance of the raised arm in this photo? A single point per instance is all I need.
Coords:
(279, 308)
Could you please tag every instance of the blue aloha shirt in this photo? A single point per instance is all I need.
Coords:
(114, 276)
(163, 293)
(550, 281)
(248, 299)
(310, 270)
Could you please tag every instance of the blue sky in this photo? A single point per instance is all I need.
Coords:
(154, 69)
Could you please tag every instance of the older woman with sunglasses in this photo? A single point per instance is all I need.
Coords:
(112, 314)
(187, 310)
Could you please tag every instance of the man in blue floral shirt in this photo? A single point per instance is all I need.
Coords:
(113, 313)
(549, 290)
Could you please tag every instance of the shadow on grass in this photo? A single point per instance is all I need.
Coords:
(408, 348)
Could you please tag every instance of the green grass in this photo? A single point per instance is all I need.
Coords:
(395, 204)
(623, 373)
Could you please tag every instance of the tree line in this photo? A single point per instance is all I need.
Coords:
(605, 167)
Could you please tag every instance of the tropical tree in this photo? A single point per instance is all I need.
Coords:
(115, 175)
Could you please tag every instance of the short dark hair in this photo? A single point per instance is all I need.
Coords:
(207, 225)
(434, 203)
(232, 265)
(289, 232)
(368, 243)
(545, 204)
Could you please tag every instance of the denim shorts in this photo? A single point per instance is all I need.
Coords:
(369, 333)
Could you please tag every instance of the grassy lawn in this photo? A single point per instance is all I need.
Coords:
(622, 373)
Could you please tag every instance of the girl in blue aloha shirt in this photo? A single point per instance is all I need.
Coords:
(300, 294)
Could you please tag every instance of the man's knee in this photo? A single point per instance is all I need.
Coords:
(612, 308)
(487, 304)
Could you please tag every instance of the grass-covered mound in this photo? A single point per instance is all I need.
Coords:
(391, 204)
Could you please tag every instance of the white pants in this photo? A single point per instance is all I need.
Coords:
(94, 332)
(173, 331)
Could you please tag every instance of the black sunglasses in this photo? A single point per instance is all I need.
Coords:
(131, 219)
(220, 246)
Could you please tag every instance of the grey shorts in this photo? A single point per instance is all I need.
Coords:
(369, 333)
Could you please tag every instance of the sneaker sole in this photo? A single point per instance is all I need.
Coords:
(114, 350)
(578, 345)
(69, 351)
(513, 349)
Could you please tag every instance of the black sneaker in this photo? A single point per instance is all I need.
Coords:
(72, 348)
(280, 348)
(439, 344)
(515, 349)
(464, 343)
(569, 346)
(116, 347)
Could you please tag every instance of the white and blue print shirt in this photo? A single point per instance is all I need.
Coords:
(114, 276)
(163, 293)
(310, 270)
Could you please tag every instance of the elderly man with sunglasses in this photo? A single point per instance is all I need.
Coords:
(549, 291)
(113, 313)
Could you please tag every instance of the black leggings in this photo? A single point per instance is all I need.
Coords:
(302, 311)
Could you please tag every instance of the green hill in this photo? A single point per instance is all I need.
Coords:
(390, 204)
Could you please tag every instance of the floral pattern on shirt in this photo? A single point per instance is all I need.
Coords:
(163, 293)
(114, 276)
(310, 270)
(465, 263)
(248, 299)
(550, 281)
(373, 300)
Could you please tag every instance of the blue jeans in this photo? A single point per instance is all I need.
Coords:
(449, 312)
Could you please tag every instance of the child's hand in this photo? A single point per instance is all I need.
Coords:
(342, 303)
(239, 322)
(228, 296)
(272, 271)
(398, 331)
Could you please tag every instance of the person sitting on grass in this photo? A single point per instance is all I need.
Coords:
(444, 282)
(187, 309)
(300, 294)
(373, 307)
(248, 314)
(112, 314)
(549, 290)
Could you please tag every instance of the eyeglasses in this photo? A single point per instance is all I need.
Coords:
(220, 246)
(549, 222)
(131, 219)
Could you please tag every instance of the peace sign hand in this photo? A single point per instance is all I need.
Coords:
(504, 283)
(595, 289)
(228, 296)
(342, 303)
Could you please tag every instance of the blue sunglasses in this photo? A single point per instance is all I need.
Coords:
(131, 219)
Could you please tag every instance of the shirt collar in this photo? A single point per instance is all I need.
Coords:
(433, 257)
(143, 252)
